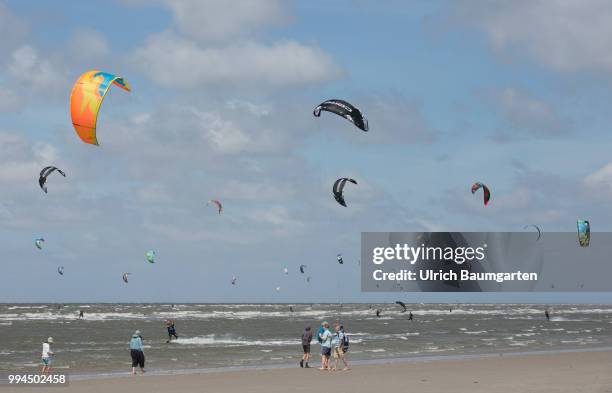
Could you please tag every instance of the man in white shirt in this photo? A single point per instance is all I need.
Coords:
(46, 355)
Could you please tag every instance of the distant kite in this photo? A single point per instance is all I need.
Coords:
(60, 270)
(44, 173)
(537, 228)
(39, 243)
(217, 203)
(339, 258)
(234, 280)
(150, 255)
(302, 267)
(344, 109)
(338, 189)
(486, 193)
(125, 277)
(584, 233)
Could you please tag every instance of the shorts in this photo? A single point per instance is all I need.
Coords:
(306, 348)
(338, 353)
(325, 351)
(138, 358)
(46, 361)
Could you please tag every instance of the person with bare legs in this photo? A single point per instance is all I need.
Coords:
(306, 339)
(46, 356)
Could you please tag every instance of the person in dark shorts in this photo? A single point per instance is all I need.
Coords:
(137, 352)
(171, 330)
(326, 343)
(306, 339)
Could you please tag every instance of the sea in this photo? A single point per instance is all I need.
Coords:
(215, 336)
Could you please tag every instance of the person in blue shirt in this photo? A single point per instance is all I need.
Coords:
(137, 352)
(326, 344)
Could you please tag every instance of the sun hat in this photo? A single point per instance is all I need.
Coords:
(50, 340)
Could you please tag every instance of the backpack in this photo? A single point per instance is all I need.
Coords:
(345, 342)
(321, 330)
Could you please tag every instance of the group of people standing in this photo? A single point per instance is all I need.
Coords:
(336, 343)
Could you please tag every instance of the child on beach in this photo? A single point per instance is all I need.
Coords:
(340, 347)
(326, 343)
(137, 352)
(306, 339)
(46, 356)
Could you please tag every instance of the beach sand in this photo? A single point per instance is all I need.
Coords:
(559, 372)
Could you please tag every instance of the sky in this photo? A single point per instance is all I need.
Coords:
(512, 94)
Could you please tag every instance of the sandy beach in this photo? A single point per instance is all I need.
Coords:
(560, 372)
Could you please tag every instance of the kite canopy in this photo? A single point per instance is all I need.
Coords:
(216, 202)
(86, 98)
(338, 189)
(150, 255)
(39, 243)
(44, 173)
(60, 270)
(537, 229)
(302, 267)
(234, 280)
(340, 260)
(125, 277)
(485, 190)
(344, 109)
(584, 233)
(402, 305)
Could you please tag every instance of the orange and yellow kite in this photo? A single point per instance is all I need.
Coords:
(86, 98)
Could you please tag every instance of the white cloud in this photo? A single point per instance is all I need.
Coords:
(218, 21)
(172, 61)
(566, 35)
(525, 115)
(28, 66)
(21, 160)
(601, 179)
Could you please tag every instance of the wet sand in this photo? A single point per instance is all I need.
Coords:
(557, 372)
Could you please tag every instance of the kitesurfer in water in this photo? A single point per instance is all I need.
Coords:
(378, 313)
(171, 330)
(547, 315)
(410, 316)
(81, 314)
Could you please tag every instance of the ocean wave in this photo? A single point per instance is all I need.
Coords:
(214, 340)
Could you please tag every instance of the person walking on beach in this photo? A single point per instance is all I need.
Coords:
(306, 339)
(46, 356)
(137, 352)
(340, 342)
(171, 330)
(326, 343)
